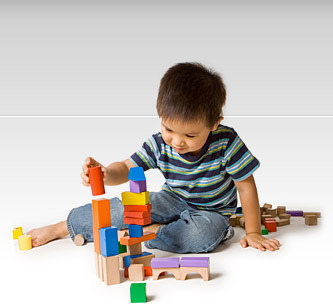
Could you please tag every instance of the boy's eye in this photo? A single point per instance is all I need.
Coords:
(190, 136)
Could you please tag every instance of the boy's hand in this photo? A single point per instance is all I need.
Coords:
(258, 241)
(89, 163)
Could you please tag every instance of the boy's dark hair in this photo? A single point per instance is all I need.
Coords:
(190, 92)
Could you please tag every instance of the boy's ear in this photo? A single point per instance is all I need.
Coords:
(217, 123)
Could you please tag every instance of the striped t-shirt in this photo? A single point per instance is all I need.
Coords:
(206, 180)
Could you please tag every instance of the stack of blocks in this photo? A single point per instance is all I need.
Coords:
(105, 236)
(137, 214)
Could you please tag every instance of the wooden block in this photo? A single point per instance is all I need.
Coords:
(140, 208)
(203, 271)
(265, 216)
(261, 211)
(264, 231)
(138, 186)
(165, 262)
(131, 241)
(122, 259)
(100, 267)
(136, 272)
(295, 212)
(266, 206)
(272, 212)
(136, 174)
(194, 262)
(96, 264)
(137, 259)
(138, 293)
(24, 242)
(242, 222)
(137, 214)
(122, 248)
(281, 210)
(311, 220)
(108, 238)
(282, 222)
(318, 214)
(101, 213)
(96, 181)
(145, 260)
(135, 230)
(238, 217)
(122, 233)
(134, 249)
(79, 240)
(270, 226)
(136, 221)
(111, 273)
(128, 198)
(17, 231)
(284, 216)
(148, 271)
(233, 220)
(97, 244)
(158, 271)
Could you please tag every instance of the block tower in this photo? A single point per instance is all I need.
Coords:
(137, 213)
(105, 236)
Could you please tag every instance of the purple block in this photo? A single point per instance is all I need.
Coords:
(295, 212)
(138, 186)
(165, 263)
(194, 262)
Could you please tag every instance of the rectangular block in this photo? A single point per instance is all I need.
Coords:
(272, 212)
(282, 222)
(97, 245)
(130, 258)
(135, 221)
(165, 263)
(111, 273)
(135, 230)
(138, 186)
(267, 206)
(311, 220)
(134, 249)
(194, 262)
(109, 241)
(318, 214)
(264, 217)
(101, 213)
(281, 210)
(295, 212)
(138, 293)
(137, 208)
(284, 216)
(128, 198)
(136, 272)
(137, 214)
(136, 174)
(145, 260)
(145, 237)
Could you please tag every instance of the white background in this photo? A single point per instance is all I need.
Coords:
(106, 58)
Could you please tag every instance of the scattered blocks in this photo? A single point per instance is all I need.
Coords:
(282, 222)
(17, 231)
(311, 220)
(96, 180)
(284, 216)
(24, 242)
(138, 293)
(270, 225)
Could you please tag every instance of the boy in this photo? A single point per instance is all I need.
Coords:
(204, 164)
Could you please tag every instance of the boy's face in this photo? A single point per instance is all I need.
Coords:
(186, 137)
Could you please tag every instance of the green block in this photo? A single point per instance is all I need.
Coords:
(264, 231)
(138, 293)
(122, 248)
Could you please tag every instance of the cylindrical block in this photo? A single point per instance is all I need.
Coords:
(17, 231)
(96, 180)
(24, 242)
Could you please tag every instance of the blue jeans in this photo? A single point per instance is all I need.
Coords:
(185, 229)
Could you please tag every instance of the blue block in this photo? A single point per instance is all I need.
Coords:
(109, 241)
(129, 257)
(135, 230)
(136, 174)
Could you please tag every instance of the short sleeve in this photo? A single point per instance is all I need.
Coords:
(147, 155)
(240, 163)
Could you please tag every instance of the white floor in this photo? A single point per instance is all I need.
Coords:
(40, 183)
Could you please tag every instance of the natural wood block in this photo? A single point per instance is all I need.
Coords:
(266, 206)
(233, 220)
(284, 216)
(96, 263)
(158, 271)
(318, 214)
(136, 272)
(264, 217)
(122, 259)
(122, 233)
(111, 273)
(203, 271)
(242, 222)
(282, 222)
(311, 220)
(145, 260)
(281, 210)
(79, 240)
(100, 267)
(134, 249)
(271, 211)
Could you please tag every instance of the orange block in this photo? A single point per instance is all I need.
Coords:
(97, 244)
(147, 269)
(101, 213)
(136, 221)
(131, 241)
(137, 214)
(139, 208)
(96, 180)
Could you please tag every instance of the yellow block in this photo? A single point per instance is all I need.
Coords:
(17, 231)
(129, 198)
(24, 242)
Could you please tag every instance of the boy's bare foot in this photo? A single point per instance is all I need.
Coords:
(43, 235)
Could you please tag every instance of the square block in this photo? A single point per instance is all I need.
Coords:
(281, 210)
(137, 214)
(138, 293)
(282, 222)
(270, 226)
(108, 238)
(101, 213)
(136, 174)
(264, 231)
(138, 186)
(283, 216)
(137, 208)
(135, 230)
(165, 263)
(129, 198)
(136, 272)
(136, 221)
(134, 249)
(194, 262)
(311, 220)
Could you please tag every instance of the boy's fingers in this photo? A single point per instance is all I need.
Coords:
(243, 243)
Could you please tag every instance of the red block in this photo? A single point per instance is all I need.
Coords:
(96, 180)
(137, 208)
(138, 214)
(135, 221)
(270, 226)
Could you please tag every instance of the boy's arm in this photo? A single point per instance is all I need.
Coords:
(117, 173)
(250, 204)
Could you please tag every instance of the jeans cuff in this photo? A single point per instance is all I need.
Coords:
(69, 225)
